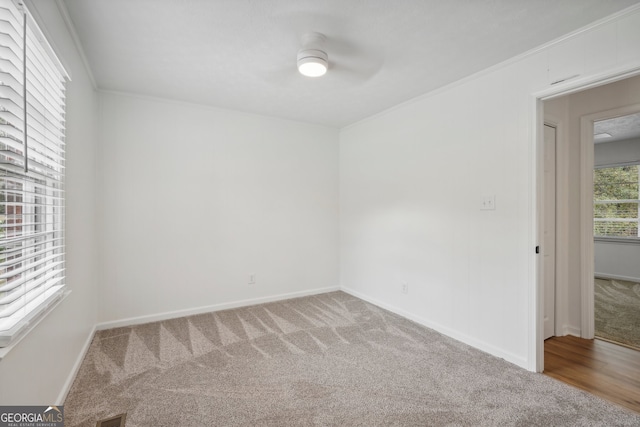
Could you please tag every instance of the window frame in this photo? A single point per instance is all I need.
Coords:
(42, 193)
(633, 240)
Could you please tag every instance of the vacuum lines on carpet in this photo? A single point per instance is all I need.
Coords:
(324, 360)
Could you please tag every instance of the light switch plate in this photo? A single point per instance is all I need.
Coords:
(488, 203)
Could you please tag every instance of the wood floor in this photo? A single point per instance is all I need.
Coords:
(599, 367)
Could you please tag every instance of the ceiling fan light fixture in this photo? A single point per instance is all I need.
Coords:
(312, 62)
(603, 135)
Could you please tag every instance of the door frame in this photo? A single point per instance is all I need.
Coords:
(587, 326)
(554, 123)
(536, 288)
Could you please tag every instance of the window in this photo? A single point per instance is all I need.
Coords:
(617, 201)
(32, 128)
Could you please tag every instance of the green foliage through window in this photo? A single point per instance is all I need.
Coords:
(616, 194)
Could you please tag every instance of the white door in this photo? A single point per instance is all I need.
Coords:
(549, 242)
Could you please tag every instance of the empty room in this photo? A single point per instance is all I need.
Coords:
(279, 212)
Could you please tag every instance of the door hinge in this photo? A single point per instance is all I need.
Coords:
(537, 249)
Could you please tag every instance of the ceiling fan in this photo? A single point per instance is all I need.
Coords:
(313, 61)
(344, 61)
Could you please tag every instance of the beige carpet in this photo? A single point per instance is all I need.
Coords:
(617, 311)
(326, 360)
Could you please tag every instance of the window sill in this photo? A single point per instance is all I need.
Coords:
(5, 350)
(624, 240)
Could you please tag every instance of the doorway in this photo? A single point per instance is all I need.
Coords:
(616, 195)
(571, 268)
(576, 249)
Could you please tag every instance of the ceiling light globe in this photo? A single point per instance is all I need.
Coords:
(312, 62)
(312, 68)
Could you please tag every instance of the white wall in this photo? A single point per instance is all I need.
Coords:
(611, 153)
(412, 180)
(195, 199)
(36, 370)
(570, 109)
(616, 259)
(192, 199)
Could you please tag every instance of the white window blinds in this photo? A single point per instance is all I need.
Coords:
(32, 129)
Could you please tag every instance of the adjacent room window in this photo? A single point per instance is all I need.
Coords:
(617, 201)
(32, 129)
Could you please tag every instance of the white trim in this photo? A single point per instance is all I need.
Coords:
(618, 240)
(451, 333)
(593, 80)
(562, 231)
(536, 318)
(513, 60)
(43, 38)
(552, 123)
(64, 12)
(633, 240)
(587, 315)
(570, 330)
(210, 308)
(618, 164)
(535, 288)
(616, 277)
(40, 316)
(561, 212)
(62, 396)
(209, 107)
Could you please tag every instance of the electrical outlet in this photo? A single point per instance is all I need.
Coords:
(405, 288)
(252, 279)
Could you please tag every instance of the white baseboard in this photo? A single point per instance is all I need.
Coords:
(570, 330)
(76, 367)
(481, 345)
(171, 315)
(210, 308)
(616, 277)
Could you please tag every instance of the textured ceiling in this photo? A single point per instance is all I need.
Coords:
(620, 128)
(241, 54)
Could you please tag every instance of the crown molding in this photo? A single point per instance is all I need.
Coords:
(64, 12)
(513, 60)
